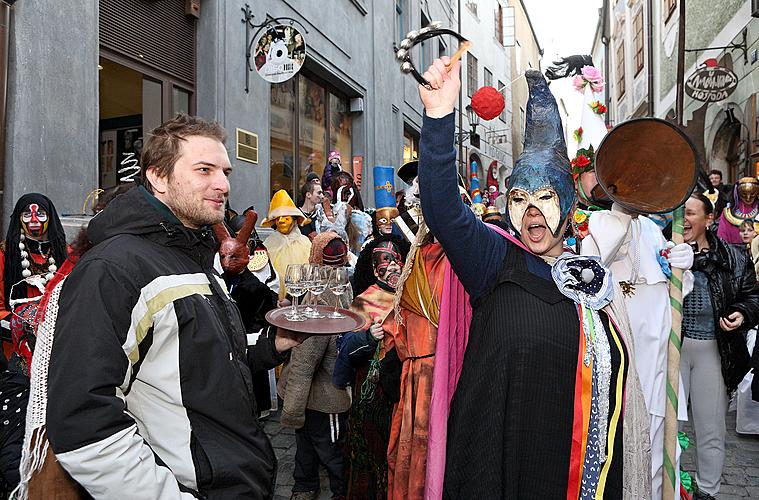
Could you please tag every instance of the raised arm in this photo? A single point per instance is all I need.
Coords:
(475, 252)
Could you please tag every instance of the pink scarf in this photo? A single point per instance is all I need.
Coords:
(452, 337)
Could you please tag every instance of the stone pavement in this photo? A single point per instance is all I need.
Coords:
(283, 441)
(740, 478)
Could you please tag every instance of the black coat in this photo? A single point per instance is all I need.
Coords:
(733, 287)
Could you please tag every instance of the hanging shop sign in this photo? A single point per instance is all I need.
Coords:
(711, 83)
(279, 53)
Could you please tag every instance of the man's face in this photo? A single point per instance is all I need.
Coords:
(388, 264)
(34, 222)
(285, 224)
(715, 179)
(197, 189)
(316, 195)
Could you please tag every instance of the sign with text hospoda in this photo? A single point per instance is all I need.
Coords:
(280, 53)
(711, 83)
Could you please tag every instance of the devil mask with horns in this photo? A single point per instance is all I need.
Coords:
(233, 252)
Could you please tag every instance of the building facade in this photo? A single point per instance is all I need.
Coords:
(525, 54)
(487, 63)
(83, 92)
(639, 40)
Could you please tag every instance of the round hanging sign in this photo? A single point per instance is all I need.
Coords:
(711, 84)
(280, 53)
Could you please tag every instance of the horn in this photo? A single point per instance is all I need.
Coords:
(251, 216)
(220, 230)
(647, 165)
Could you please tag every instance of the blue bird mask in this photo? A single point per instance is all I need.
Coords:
(542, 176)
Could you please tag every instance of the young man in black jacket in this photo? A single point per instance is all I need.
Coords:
(150, 392)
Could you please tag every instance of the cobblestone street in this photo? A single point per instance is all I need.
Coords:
(740, 478)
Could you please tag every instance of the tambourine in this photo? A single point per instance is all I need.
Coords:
(415, 37)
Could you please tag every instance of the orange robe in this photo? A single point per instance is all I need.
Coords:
(414, 341)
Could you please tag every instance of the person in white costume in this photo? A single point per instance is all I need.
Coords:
(630, 245)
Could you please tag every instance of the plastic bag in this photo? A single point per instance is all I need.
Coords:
(747, 410)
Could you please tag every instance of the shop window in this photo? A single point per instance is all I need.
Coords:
(638, 40)
(304, 112)
(282, 136)
(410, 145)
(133, 100)
(471, 74)
(312, 129)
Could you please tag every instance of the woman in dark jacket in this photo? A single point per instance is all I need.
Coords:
(724, 303)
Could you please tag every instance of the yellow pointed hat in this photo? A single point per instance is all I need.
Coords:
(281, 204)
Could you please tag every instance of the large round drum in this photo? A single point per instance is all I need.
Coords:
(647, 165)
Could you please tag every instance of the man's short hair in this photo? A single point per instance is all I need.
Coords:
(306, 188)
(164, 143)
(716, 172)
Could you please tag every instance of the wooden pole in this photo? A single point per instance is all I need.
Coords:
(671, 471)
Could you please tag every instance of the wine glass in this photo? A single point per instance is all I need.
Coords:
(309, 272)
(321, 283)
(338, 284)
(295, 286)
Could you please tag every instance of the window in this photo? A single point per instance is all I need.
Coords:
(620, 70)
(502, 90)
(488, 78)
(400, 22)
(518, 56)
(499, 24)
(471, 74)
(410, 145)
(669, 8)
(425, 47)
(307, 121)
(638, 40)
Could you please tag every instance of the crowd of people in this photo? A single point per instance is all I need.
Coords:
(514, 344)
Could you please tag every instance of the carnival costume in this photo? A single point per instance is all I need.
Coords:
(360, 364)
(252, 297)
(286, 245)
(633, 248)
(35, 246)
(412, 333)
(745, 207)
(548, 404)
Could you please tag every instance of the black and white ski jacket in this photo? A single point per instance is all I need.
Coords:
(149, 390)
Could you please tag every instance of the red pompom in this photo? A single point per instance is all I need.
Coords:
(488, 103)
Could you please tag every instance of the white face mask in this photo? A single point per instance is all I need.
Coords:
(546, 200)
(411, 194)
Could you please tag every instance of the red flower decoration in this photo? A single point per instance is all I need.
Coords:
(488, 103)
(581, 161)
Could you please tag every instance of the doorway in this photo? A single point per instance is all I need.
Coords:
(133, 100)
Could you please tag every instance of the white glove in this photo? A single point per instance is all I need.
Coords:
(681, 256)
(688, 281)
